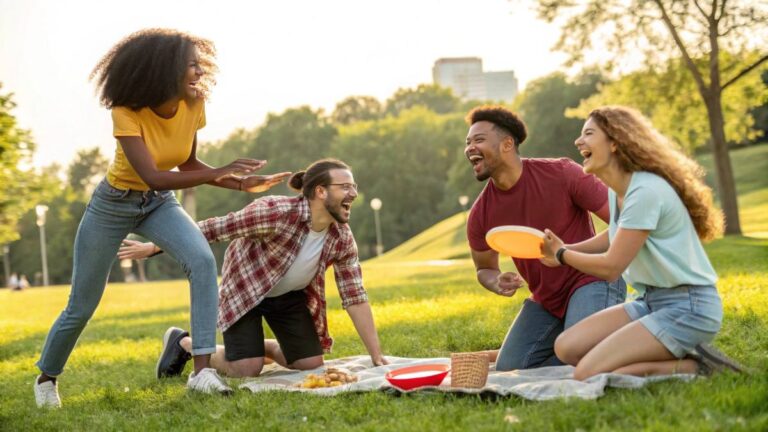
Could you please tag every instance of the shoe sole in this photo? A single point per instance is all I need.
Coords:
(166, 338)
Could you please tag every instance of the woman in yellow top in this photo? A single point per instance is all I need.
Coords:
(155, 83)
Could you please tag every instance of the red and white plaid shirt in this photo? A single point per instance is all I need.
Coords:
(266, 237)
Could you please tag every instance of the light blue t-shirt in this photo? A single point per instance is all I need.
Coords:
(672, 255)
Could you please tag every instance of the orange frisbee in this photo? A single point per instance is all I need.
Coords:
(516, 241)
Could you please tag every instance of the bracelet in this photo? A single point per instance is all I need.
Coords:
(559, 255)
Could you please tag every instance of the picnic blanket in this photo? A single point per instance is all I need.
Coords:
(544, 383)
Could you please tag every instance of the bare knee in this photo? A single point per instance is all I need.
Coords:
(567, 349)
(307, 363)
(250, 367)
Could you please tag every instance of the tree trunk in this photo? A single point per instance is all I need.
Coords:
(726, 186)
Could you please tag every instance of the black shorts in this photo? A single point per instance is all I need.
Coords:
(290, 321)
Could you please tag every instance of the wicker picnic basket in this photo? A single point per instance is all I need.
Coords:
(469, 370)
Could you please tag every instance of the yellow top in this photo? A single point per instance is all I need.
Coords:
(169, 141)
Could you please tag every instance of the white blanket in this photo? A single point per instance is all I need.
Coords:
(534, 384)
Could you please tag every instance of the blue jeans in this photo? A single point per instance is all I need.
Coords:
(530, 341)
(111, 215)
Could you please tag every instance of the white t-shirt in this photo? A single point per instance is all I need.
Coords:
(304, 267)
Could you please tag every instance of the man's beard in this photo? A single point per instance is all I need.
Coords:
(335, 212)
(483, 176)
(490, 164)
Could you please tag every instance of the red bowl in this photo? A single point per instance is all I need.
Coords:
(411, 377)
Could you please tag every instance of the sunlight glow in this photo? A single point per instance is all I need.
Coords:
(272, 55)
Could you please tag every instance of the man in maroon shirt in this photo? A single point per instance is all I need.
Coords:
(538, 193)
(275, 269)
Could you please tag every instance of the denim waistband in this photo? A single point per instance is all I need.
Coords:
(649, 288)
(126, 193)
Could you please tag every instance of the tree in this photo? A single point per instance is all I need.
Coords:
(293, 139)
(289, 141)
(20, 185)
(402, 160)
(760, 113)
(86, 170)
(433, 97)
(357, 108)
(543, 105)
(66, 205)
(663, 29)
(668, 97)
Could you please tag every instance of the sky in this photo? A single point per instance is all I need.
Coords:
(272, 55)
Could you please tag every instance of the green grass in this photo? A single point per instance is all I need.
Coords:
(750, 165)
(427, 303)
(421, 310)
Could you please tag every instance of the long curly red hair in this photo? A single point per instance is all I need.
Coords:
(641, 148)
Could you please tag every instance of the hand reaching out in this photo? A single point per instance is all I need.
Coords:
(240, 167)
(132, 249)
(261, 183)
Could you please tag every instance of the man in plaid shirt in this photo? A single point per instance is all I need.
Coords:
(275, 268)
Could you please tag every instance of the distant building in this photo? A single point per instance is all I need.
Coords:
(465, 76)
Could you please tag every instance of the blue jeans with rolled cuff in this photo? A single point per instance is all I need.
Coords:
(530, 341)
(111, 215)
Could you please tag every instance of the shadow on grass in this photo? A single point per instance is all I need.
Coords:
(103, 328)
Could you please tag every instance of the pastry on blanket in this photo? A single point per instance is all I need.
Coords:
(332, 377)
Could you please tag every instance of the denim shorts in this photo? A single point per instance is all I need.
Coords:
(680, 317)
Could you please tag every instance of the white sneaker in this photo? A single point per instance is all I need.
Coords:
(208, 381)
(47, 394)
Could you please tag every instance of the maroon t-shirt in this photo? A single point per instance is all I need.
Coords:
(551, 193)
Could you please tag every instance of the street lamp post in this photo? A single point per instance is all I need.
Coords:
(7, 262)
(463, 201)
(126, 265)
(41, 210)
(376, 206)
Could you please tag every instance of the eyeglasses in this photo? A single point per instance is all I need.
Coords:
(346, 187)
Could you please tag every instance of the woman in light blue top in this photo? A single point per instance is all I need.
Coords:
(660, 210)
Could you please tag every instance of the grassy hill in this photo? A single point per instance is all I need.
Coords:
(447, 240)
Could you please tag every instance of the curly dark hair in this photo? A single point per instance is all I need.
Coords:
(146, 68)
(504, 121)
(317, 174)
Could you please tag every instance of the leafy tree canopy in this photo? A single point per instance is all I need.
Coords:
(21, 185)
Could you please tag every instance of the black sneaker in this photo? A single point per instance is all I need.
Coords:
(173, 358)
(711, 360)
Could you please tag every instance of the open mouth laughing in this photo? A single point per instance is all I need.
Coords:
(586, 154)
(476, 160)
